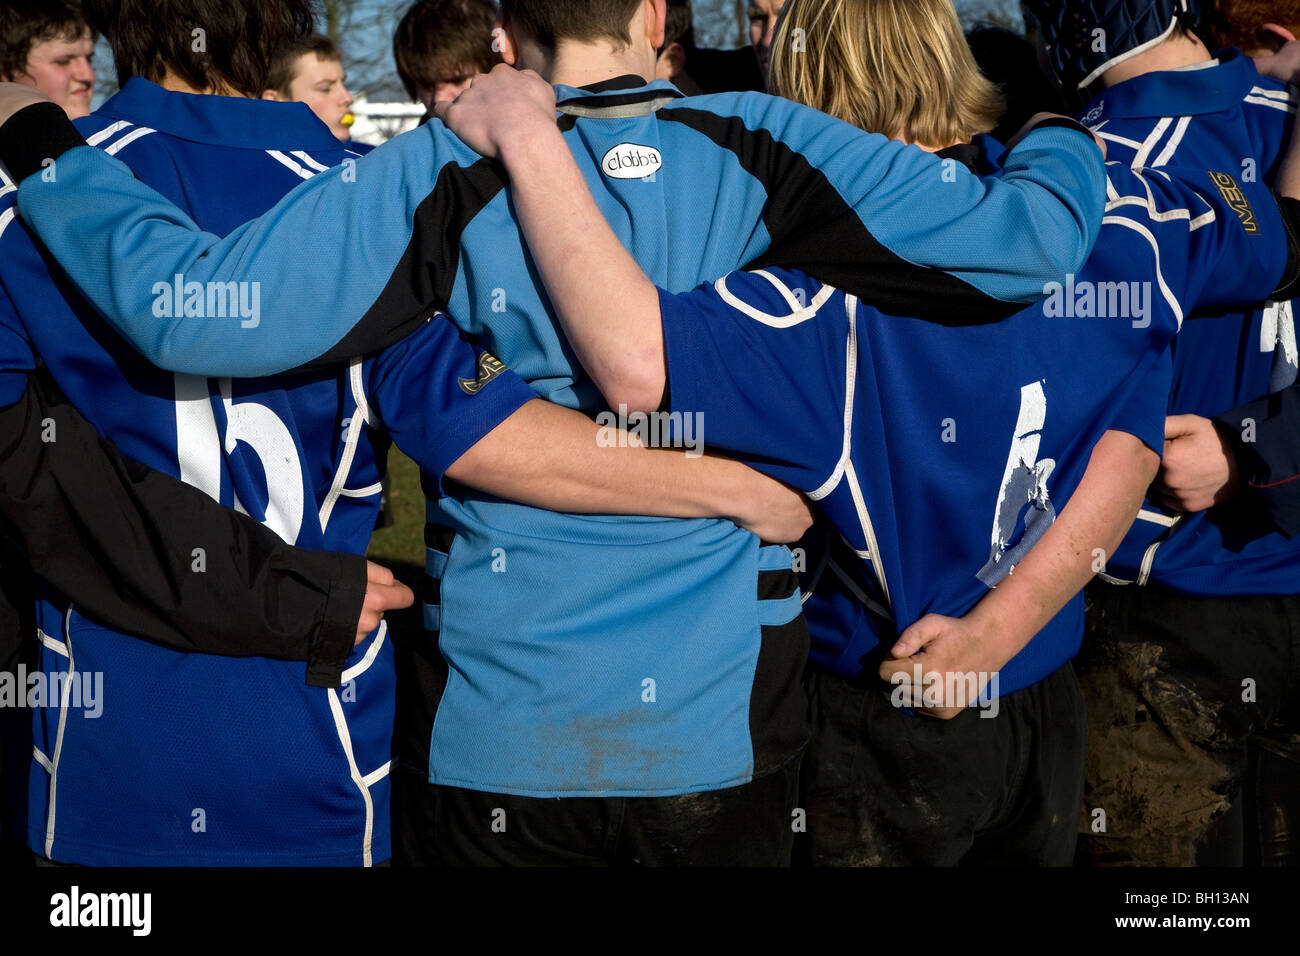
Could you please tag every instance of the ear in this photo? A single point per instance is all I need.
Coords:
(503, 39)
(272, 95)
(1278, 35)
(671, 63)
(656, 21)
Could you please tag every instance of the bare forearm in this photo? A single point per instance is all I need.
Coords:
(556, 458)
(607, 306)
(1092, 524)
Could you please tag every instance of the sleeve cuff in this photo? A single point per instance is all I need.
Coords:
(333, 640)
(33, 135)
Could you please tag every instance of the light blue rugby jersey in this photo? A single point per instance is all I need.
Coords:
(195, 759)
(590, 655)
(939, 456)
(1229, 120)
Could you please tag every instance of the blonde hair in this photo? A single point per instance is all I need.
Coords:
(897, 67)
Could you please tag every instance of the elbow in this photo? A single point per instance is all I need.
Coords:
(636, 394)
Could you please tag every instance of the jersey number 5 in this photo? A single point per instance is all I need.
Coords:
(199, 448)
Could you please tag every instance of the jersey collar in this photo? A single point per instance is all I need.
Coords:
(620, 96)
(220, 120)
(1177, 92)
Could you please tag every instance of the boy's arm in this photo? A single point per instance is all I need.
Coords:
(148, 555)
(460, 413)
(1091, 525)
(395, 218)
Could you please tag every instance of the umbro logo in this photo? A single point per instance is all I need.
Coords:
(1093, 114)
(489, 368)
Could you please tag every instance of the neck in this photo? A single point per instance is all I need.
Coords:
(582, 64)
(1175, 52)
(174, 84)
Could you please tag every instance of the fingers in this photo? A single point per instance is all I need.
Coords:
(383, 593)
(378, 574)
(1179, 426)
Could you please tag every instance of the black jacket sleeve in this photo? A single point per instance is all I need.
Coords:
(150, 556)
(1265, 434)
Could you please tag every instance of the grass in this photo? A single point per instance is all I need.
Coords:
(401, 547)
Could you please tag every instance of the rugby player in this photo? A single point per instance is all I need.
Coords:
(148, 780)
(828, 389)
(1189, 630)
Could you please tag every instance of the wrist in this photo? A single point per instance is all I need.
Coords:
(532, 144)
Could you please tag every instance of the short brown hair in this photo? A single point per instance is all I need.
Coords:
(1237, 22)
(436, 39)
(285, 61)
(239, 38)
(679, 24)
(897, 67)
(25, 23)
(549, 21)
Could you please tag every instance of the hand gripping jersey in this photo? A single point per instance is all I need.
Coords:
(1232, 124)
(194, 759)
(589, 655)
(939, 456)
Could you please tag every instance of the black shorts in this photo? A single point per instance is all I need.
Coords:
(749, 825)
(886, 788)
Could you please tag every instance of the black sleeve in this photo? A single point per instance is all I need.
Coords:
(150, 556)
(1265, 434)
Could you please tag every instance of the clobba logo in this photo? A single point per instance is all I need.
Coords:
(630, 161)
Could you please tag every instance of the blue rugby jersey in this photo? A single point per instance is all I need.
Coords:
(941, 455)
(1229, 120)
(590, 655)
(196, 759)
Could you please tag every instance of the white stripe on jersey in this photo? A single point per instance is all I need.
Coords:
(6, 217)
(1115, 200)
(7, 185)
(851, 376)
(1149, 143)
(345, 738)
(363, 783)
(1123, 140)
(128, 139)
(1272, 94)
(1276, 104)
(284, 160)
(108, 131)
(1160, 279)
(1167, 153)
(798, 313)
(41, 759)
(359, 419)
(869, 532)
(58, 738)
(319, 167)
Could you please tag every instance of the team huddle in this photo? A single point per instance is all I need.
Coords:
(990, 557)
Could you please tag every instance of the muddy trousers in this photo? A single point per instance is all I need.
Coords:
(1191, 704)
(885, 788)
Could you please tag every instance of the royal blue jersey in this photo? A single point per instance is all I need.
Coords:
(596, 655)
(1223, 118)
(939, 456)
(195, 759)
